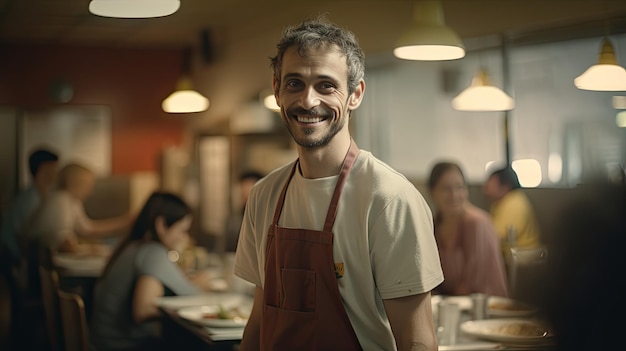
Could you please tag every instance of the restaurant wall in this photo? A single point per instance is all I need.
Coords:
(131, 82)
(407, 119)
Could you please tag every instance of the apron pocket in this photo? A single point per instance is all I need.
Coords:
(287, 330)
(298, 292)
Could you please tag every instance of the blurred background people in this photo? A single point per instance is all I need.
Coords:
(233, 222)
(43, 166)
(512, 213)
(61, 222)
(139, 271)
(468, 245)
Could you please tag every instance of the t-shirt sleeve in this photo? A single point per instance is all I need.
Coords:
(404, 255)
(152, 260)
(246, 257)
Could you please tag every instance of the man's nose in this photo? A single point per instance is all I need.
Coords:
(309, 98)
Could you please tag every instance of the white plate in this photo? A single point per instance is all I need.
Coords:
(508, 308)
(496, 330)
(197, 315)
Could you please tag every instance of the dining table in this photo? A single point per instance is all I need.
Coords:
(484, 322)
(184, 322)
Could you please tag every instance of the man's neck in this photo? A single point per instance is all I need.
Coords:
(324, 161)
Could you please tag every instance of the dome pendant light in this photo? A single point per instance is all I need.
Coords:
(606, 75)
(482, 96)
(133, 8)
(185, 99)
(430, 39)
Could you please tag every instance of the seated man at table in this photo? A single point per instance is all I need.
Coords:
(61, 222)
(512, 213)
(138, 273)
(43, 165)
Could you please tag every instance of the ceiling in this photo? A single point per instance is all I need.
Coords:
(68, 22)
(242, 34)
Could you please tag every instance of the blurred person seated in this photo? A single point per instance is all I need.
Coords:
(61, 222)
(583, 295)
(43, 167)
(512, 213)
(233, 222)
(139, 272)
(468, 245)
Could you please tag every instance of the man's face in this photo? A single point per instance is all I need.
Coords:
(493, 189)
(313, 95)
(47, 173)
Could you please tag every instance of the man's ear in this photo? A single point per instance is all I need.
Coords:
(276, 87)
(357, 96)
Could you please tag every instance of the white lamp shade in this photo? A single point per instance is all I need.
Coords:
(602, 77)
(270, 103)
(430, 39)
(185, 99)
(134, 8)
(482, 96)
(429, 43)
(606, 75)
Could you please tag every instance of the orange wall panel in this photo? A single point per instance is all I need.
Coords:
(132, 82)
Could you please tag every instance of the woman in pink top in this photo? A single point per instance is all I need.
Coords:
(468, 245)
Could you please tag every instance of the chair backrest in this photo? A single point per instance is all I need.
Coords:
(74, 321)
(526, 268)
(50, 298)
(6, 312)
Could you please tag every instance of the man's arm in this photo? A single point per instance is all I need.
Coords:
(412, 322)
(252, 333)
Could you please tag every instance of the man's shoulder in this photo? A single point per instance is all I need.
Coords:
(516, 196)
(275, 177)
(382, 176)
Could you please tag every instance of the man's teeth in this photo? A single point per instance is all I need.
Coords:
(314, 119)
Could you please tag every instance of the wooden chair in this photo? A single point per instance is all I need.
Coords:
(50, 298)
(74, 322)
(6, 310)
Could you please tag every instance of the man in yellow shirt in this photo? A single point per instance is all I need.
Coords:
(511, 211)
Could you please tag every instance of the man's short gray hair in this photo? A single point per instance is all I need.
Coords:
(316, 33)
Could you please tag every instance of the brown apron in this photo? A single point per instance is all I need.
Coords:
(302, 308)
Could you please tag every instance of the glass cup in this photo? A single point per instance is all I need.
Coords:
(448, 323)
(479, 306)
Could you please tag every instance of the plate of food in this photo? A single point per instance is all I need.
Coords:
(506, 307)
(215, 315)
(513, 331)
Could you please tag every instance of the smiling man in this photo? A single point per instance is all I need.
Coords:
(339, 245)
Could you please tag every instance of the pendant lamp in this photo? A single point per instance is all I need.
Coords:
(606, 75)
(482, 96)
(133, 8)
(429, 39)
(185, 99)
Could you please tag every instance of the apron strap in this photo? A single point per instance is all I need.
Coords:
(353, 152)
(281, 199)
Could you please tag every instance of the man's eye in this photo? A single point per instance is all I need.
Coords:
(327, 86)
(292, 84)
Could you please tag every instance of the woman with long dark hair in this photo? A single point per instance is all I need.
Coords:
(138, 273)
(467, 242)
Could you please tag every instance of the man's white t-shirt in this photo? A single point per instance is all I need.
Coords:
(383, 235)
